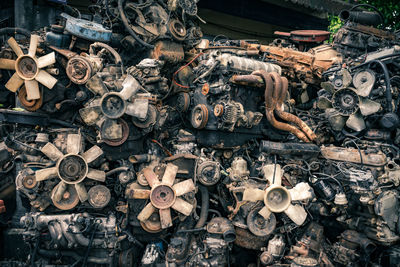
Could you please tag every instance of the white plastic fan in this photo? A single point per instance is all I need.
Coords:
(112, 105)
(28, 69)
(277, 198)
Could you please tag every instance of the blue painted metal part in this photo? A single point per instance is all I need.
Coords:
(85, 29)
(63, 2)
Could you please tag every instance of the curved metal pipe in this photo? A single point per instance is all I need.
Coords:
(288, 116)
(70, 238)
(117, 57)
(270, 105)
(82, 240)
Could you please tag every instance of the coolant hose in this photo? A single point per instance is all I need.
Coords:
(128, 27)
(11, 30)
(388, 92)
(205, 203)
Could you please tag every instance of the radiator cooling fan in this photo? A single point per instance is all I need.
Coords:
(28, 69)
(348, 106)
(164, 195)
(106, 109)
(277, 198)
(72, 169)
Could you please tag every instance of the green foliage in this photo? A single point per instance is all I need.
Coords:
(334, 26)
(390, 10)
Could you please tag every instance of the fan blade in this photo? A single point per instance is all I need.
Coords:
(32, 90)
(336, 120)
(74, 143)
(33, 45)
(296, 213)
(46, 79)
(46, 60)
(15, 47)
(82, 193)
(368, 107)
(265, 212)
(96, 85)
(139, 193)
(97, 175)
(324, 103)
(90, 115)
(51, 151)
(14, 83)
(92, 154)
(130, 87)
(356, 122)
(138, 109)
(302, 191)
(169, 174)
(182, 206)
(253, 194)
(328, 86)
(61, 187)
(151, 177)
(165, 218)
(146, 212)
(346, 78)
(45, 174)
(273, 173)
(364, 82)
(7, 64)
(184, 187)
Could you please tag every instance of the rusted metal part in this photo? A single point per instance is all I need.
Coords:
(306, 66)
(373, 31)
(65, 52)
(245, 239)
(288, 116)
(2, 206)
(354, 155)
(125, 134)
(168, 51)
(309, 36)
(270, 105)
(30, 105)
(248, 80)
(79, 70)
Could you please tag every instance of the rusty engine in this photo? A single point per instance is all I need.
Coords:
(131, 140)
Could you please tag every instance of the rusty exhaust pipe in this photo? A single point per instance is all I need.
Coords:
(270, 104)
(288, 116)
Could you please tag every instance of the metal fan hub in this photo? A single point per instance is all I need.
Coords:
(26, 67)
(162, 196)
(346, 101)
(72, 169)
(113, 105)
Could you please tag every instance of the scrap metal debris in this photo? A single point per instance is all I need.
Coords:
(131, 140)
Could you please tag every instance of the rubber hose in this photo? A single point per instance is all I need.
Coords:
(388, 92)
(205, 203)
(128, 27)
(370, 6)
(11, 30)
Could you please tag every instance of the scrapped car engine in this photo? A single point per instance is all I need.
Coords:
(130, 139)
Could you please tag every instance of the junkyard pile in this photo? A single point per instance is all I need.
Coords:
(128, 139)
